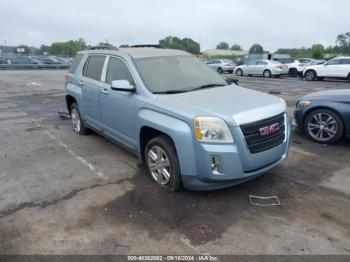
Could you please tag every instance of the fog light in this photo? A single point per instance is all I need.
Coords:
(215, 165)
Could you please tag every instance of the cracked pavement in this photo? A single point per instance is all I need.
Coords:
(66, 194)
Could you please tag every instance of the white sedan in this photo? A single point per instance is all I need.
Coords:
(266, 68)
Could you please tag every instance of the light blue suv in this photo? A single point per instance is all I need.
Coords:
(192, 127)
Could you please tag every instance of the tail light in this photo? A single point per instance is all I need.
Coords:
(279, 66)
(227, 64)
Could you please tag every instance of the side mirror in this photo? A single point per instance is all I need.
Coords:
(122, 85)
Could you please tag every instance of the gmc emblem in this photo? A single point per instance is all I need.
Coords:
(267, 130)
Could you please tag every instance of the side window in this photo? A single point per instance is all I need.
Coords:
(117, 70)
(345, 61)
(333, 62)
(75, 64)
(93, 67)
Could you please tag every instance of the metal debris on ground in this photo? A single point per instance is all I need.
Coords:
(264, 201)
(274, 92)
(63, 115)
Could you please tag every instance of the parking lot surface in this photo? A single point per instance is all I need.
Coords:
(61, 193)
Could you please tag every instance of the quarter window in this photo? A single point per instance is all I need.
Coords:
(117, 70)
(75, 64)
(93, 67)
(345, 61)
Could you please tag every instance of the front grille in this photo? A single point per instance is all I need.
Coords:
(258, 143)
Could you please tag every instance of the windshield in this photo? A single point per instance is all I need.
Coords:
(176, 73)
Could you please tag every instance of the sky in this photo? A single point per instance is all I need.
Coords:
(272, 23)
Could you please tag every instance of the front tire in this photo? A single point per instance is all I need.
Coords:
(310, 75)
(162, 163)
(324, 126)
(267, 73)
(239, 72)
(220, 71)
(77, 122)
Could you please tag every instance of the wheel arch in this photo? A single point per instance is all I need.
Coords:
(311, 69)
(146, 134)
(69, 101)
(152, 123)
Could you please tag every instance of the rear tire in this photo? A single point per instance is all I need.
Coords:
(77, 122)
(230, 71)
(267, 73)
(220, 71)
(310, 75)
(324, 126)
(163, 163)
(239, 72)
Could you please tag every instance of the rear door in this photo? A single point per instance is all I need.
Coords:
(118, 108)
(90, 85)
(344, 67)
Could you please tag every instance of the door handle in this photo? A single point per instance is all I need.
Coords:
(81, 82)
(104, 91)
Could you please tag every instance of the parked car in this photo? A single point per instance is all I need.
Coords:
(188, 124)
(222, 65)
(266, 68)
(324, 116)
(22, 61)
(297, 66)
(336, 68)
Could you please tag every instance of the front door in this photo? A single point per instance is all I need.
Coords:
(118, 108)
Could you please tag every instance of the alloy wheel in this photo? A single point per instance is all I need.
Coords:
(159, 165)
(322, 127)
(310, 75)
(76, 120)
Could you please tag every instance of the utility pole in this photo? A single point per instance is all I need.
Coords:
(5, 48)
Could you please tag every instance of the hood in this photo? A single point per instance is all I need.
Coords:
(235, 104)
(341, 95)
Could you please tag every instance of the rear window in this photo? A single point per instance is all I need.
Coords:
(93, 67)
(75, 64)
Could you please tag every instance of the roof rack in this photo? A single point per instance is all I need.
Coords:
(103, 47)
(150, 46)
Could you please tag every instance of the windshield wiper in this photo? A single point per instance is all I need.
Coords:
(207, 86)
(170, 92)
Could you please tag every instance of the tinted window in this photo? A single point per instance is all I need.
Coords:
(333, 62)
(75, 64)
(117, 70)
(345, 61)
(93, 67)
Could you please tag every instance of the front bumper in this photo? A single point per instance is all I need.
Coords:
(237, 164)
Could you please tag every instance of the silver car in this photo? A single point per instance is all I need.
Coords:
(266, 68)
(222, 65)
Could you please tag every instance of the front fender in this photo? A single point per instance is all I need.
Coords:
(178, 130)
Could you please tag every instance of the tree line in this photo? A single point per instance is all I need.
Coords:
(70, 48)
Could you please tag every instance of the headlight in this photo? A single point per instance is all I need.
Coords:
(303, 104)
(212, 130)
